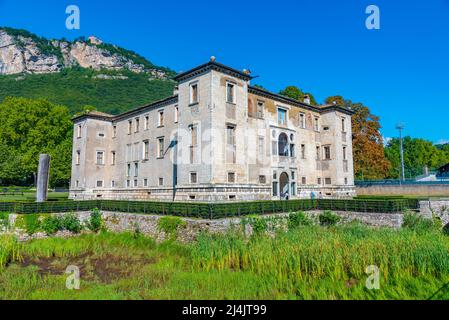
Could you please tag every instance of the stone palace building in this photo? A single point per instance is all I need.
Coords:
(216, 139)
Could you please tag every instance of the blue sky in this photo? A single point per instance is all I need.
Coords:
(400, 71)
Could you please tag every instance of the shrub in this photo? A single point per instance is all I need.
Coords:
(297, 219)
(71, 223)
(29, 222)
(170, 226)
(417, 222)
(51, 224)
(95, 222)
(328, 218)
(4, 220)
(259, 224)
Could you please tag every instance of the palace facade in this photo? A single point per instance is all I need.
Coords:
(216, 139)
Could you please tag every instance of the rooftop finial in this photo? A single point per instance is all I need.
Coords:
(212, 59)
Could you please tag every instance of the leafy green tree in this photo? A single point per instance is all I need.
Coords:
(418, 153)
(29, 128)
(297, 94)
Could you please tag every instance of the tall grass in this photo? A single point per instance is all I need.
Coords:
(312, 253)
(10, 250)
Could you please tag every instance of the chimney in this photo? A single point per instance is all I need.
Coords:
(306, 99)
(175, 90)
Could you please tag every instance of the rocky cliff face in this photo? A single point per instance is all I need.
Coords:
(22, 54)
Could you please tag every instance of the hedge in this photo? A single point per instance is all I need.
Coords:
(213, 210)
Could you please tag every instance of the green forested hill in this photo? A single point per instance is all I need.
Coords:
(76, 88)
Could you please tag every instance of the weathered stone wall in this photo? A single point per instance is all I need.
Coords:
(440, 208)
(149, 224)
(434, 190)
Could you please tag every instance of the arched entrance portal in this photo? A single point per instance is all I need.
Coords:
(284, 186)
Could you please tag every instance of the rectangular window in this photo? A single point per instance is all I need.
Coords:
(160, 147)
(161, 181)
(318, 181)
(262, 179)
(160, 121)
(130, 126)
(303, 180)
(230, 92)
(344, 153)
(137, 125)
(282, 117)
(99, 183)
(230, 144)
(327, 152)
(114, 131)
(343, 124)
(129, 152)
(303, 151)
(275, 188)
(136, 183)
(78, 135)
(194, 135)
(293, 175)
(292, 150)
(261, 147)
(113, 158)
(274, 148)
(145, 182)
(194, 93)
(128, 170)
(100, 157)
(231, 177)
(136, 169)
(78, 157)
(193, 177)
(146, 150)
(136, 151)
(77, 183)
(128, 183)
(293, 188)
(260, 107)
(316, 124)
(317, 155)
(302, 120)
(346, 180)
(176, 115)
(147, 122)
(328, 181)
(112, 184)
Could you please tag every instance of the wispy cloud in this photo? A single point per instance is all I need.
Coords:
(442, 141)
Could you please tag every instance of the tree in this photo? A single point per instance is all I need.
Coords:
(368, 150)
(297, 94)
(29, 128)
(418, 153)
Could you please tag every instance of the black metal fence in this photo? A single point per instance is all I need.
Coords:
(213, 210)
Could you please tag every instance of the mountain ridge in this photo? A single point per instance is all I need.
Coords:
(79, 73)
(24, 52)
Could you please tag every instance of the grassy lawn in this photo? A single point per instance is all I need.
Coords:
(31, 196)
(307, 262)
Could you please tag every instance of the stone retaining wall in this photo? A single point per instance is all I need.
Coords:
(148, 224)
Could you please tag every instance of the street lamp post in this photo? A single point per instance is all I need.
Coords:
(400, 126)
